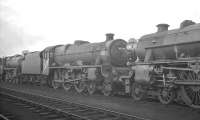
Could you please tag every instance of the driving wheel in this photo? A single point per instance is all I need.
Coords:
(91, 87)
(107, 88)
(190, 93)
(80, 86)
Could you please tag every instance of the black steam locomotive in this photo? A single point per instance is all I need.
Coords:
(169, 65)
(86, 66)
(164, 65)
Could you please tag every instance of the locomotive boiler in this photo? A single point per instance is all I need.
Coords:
(85, 53)
(85, 65)
(13, 61)
(169, 65)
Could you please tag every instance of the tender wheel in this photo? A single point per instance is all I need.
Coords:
(91, 88)
(138, 92)
(107, 89)
(80, 86)
(166, 96)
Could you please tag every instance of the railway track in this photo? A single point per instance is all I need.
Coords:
(56, 109)
(6, 116)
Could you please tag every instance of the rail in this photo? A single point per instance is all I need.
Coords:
(68, 108)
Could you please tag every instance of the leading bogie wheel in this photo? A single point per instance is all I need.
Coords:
(166, 96)
(138, 92)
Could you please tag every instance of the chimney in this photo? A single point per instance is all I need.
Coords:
(109, 36)
(162, 27)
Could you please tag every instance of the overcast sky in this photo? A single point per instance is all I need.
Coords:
(35, 24)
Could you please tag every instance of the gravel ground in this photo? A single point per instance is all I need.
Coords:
(19, 112)
(146, 109)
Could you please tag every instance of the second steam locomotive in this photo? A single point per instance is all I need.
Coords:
(86, 66)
